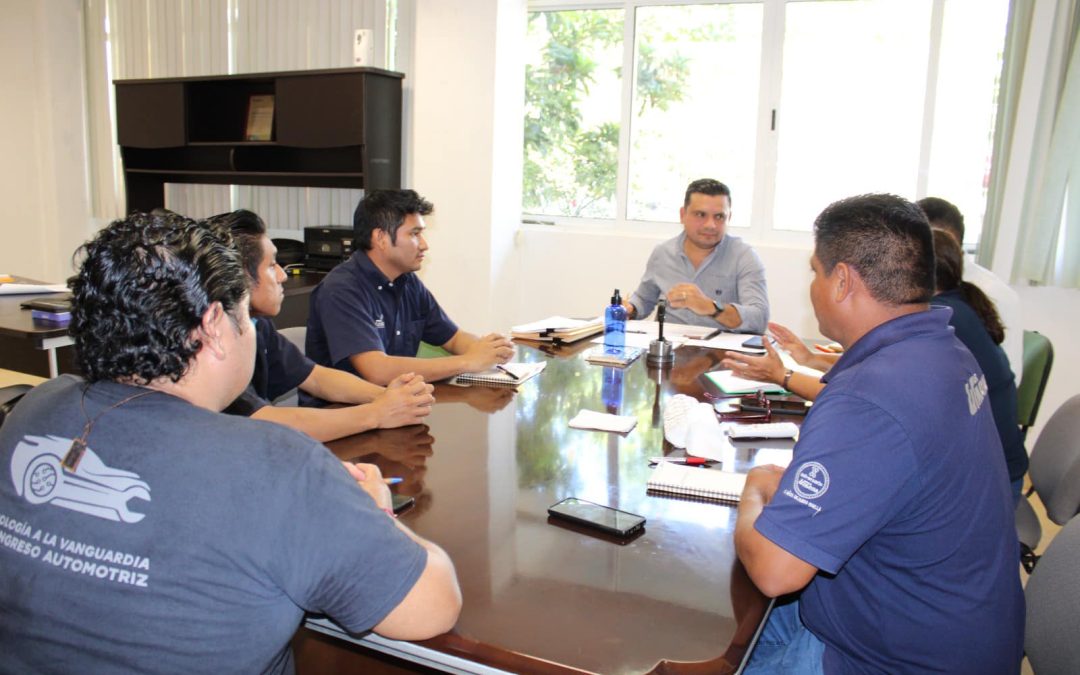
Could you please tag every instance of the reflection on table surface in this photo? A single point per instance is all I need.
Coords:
(488, 464)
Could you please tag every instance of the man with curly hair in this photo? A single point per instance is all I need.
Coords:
(142, 530)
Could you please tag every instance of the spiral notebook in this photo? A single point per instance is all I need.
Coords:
(696, 482)
(507, 375)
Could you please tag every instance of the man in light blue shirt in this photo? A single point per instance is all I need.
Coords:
(709, 277)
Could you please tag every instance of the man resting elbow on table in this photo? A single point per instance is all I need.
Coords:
(281, 367)
(214, 534)
(894, 523)
(370, 314)
(710, 278)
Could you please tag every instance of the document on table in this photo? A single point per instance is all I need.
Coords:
(730, 341)
(16, 288)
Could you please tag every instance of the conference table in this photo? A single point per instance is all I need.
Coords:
(540, 596)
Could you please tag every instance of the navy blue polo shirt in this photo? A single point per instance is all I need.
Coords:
(280, 367)
(898, 494)
(999, 377)
(356, 309)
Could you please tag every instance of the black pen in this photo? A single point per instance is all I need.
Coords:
(507, 371)
(713, 334)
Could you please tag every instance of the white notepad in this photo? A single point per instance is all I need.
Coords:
(696, 482)
(499, 377)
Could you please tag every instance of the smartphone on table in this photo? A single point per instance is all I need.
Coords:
(604, 518)
(401, 502)
(779, 406)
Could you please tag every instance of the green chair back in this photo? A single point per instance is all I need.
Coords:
(427, 351)
(1038, 358)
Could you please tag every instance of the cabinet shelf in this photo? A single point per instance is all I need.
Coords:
(332, 128)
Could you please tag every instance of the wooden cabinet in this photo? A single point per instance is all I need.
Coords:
(332, 128)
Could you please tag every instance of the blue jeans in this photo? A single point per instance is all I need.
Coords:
(1017, 487)
(785, 645)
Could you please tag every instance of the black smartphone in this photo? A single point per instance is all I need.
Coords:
(603, 518)
(401, 502)
(753, 342)
(49, 304)
(780, 406)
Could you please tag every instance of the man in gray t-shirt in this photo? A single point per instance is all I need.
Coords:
(141, 530)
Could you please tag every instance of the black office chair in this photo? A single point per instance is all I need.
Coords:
(9, 396)
(1053, 607)
(1055, 477)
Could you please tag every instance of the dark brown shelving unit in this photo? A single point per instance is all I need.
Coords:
(332, 128)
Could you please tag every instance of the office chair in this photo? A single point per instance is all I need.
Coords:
(1055, 477)
(9, 396)
(1038, 358)
(426, 351)
(1053, 607)
(296, 335)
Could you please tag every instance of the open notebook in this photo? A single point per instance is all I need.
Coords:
(696, 483)
(508, 375)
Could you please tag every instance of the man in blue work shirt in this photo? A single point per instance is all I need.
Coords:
(709, 277)
(891, 533)
(280, 366)
(371, 312)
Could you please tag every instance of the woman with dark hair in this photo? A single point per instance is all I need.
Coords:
(978, 326)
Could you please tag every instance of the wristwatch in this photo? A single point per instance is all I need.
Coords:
(719, 309)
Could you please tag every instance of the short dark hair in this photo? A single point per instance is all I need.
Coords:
(247, 230)
(142, 288)
(886, 239)
(949, 269)
(706, 186)
(944, 215)
(386, 210)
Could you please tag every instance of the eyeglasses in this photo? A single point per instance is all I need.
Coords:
(758, 400)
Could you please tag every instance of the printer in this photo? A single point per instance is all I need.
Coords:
(326, 246)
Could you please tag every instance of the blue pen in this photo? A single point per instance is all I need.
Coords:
(393, 481)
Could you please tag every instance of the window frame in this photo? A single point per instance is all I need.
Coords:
(766, 140)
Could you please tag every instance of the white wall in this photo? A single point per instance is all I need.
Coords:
(466, 152)
(43, 189)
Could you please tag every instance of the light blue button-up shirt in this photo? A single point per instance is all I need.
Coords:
(732, 274)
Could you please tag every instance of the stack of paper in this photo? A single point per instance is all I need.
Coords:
(558, 329)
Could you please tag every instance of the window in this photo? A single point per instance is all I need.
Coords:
(793, 104)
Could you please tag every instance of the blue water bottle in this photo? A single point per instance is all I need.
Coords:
(615, 324)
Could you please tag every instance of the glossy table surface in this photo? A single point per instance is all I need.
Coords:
(538, 596)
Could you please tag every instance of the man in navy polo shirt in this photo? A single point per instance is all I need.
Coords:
(281, 367)
(891, 533)
(371, 312)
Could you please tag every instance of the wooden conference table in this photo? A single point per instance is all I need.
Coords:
(539, 597)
